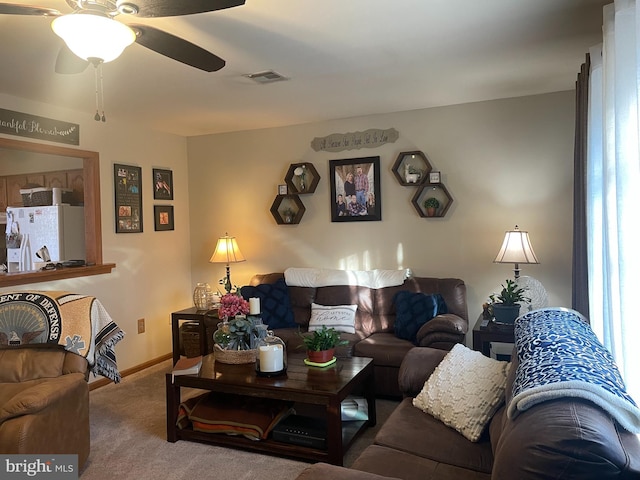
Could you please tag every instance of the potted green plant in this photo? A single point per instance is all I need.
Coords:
(321, 344)
(431, 204)
(505, 305)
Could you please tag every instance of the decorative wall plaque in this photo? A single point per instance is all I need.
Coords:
(33, 126)
(336, 142)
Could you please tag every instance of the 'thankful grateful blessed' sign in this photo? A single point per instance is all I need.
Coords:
(33, 126)
(371, 138)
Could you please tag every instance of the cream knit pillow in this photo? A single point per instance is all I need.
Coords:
(464, 391)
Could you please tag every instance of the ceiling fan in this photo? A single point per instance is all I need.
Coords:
(86, 41)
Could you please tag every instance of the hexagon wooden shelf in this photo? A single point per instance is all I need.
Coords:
(305, 181)
(437, 191)
(411, 168)
(287, 209)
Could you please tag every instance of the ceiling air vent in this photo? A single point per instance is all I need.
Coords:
(268, 76)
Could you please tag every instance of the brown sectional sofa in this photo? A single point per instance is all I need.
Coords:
(565, 438)
(44, 402)
(375, 316)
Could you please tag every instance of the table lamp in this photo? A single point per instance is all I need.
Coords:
(227, 251)
(516, 248)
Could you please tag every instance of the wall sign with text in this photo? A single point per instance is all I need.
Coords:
(42, 128)
(337, 142)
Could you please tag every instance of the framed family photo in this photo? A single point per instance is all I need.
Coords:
(163, 217)
(355, 189)
(128, 198)
(162, 184)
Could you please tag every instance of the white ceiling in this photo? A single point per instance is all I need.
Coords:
(344, 58)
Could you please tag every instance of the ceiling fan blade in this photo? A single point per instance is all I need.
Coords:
(171, 8)
(11, 9)
(177, 48)
(68, 62)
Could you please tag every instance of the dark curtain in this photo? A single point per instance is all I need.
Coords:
(580, 290)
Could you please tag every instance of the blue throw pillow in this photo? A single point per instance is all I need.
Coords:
(274, 303)
(414, 310)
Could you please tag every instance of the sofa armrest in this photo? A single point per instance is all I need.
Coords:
(324, 471)
(417, 366)
(40, 396)
(447, 322)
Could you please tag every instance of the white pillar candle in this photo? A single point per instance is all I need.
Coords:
(254, 306)
(271, 358)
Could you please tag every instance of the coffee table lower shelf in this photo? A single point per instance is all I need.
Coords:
(350, 432)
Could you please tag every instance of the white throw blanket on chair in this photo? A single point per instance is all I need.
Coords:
(323, 277)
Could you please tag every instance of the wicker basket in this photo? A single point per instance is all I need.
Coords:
(42, 197)
(190, 335)
(36, 197)
(234, 357)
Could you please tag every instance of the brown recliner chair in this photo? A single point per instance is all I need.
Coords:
(44, 402)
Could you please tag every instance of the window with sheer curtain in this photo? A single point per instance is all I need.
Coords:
(613, 188)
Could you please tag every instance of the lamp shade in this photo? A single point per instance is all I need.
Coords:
(91, 35)
(516, 248)
(227, 251)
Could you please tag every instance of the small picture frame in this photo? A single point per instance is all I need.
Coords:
(282, 189)
(163, 217)
(434, 177)
(162, 184)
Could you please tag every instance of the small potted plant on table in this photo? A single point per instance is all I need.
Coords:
(505, 305)
(321, 344)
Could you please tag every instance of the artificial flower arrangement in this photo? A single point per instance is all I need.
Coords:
(234, 332)
(231, 305)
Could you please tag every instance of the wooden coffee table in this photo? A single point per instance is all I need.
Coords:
(319, 389)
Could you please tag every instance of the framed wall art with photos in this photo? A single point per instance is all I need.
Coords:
(128, 198)
(162, 184)
(163, 217)
(355, 189)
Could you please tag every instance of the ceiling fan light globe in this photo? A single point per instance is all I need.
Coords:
(93, 36)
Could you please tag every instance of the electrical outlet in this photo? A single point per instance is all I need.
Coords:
(141, 325)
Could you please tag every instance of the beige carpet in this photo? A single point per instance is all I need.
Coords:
(128, 439)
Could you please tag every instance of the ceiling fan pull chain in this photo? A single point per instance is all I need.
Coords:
(103, 118)
(99, 93)
(96, 117)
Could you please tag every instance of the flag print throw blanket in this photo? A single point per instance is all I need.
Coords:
(77, 322)
(559, 357)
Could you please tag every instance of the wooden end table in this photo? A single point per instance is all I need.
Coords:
(319, 389)
(192, 315)
(487, 331)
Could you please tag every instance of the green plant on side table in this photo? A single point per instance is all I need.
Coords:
(505, 305)
(321, 344)
(431, 204)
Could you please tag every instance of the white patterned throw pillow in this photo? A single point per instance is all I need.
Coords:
(464, 391)
(340, 317)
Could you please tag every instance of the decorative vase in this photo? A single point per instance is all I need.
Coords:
(506, 313)
(271, 357)
(321, 356)
(202, 296)
(222, 336)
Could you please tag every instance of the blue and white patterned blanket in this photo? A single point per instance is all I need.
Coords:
(559, 357)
